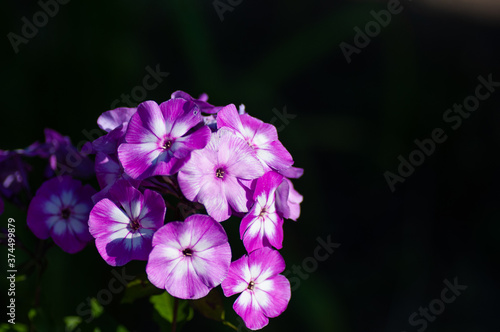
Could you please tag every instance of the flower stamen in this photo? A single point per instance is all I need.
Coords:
(167, 145)
(187, 252)
(219, 173)
(251, 285)
(134, 225)
(65, 213)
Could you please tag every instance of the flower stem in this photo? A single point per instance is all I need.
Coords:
(174, 321)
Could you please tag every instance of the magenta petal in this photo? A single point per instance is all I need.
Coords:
(146, 125)
(260, 132)
(229, 117)
(109, 120)
(270, 263)
(273, 295)
(139, 160)
(236, 194)
(248, 308)
(237, 156)
(275, 156)
(237, 278)
(292, 172)
(180, 116)
(212, 196)
(189, 258)
(282, 206)
(194, 141)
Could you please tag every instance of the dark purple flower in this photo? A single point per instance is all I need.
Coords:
(213, 175)
(264, 292)
(123, 224)
(260, 136)
(109, 171)
(13, 174)
(201, 102)
(60, 210)
(64, 158)
(189, 258)
(160, 139)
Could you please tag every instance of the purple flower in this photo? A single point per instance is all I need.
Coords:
(189, 258)
(110, 120)
(213, 175)
(201, 102)
(263, 226)
(264, 292)
(160, 138)
(13, 174)
(115, 122)
(262, 137)
(60, 209)
(64, 158)
(108, 171)
(123, 225)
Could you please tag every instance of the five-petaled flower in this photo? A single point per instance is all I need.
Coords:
(123, 224)
(213, 176)
(264, 292)
(160, 139)
(189, 258)
(262, 137)
(60, 210)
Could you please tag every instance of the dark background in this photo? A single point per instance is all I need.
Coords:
(351, 123)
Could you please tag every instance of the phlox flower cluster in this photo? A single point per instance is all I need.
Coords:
(217, 161)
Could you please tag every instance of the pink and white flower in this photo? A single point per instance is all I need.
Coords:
(263, 225)
(189, 258)
(260, 136)
(264, 292)
(213, 176)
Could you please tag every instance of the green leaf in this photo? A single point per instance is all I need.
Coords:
(18, 327)
(121, 328)
(211, 306)
(71, 322)
(164, 305)
(138, 289)
(96, 307)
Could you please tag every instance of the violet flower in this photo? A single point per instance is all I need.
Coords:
(60, 210)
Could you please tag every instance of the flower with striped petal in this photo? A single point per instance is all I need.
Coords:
(60, 210)
(124, 223)
(264, 292)
(189, 258)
